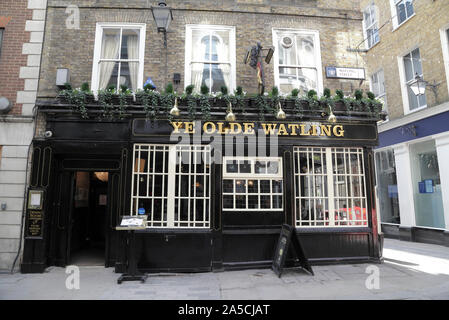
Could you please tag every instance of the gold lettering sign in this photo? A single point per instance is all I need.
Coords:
(250, 128)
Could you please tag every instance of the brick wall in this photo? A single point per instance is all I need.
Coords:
(13, 16)
(23, 21)
(420, 31)
(339, 26)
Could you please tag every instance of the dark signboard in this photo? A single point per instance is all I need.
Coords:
(286, 238)
(35, 224)
(297, 130)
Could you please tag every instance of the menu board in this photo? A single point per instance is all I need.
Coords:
(35, 224)
(287, 237)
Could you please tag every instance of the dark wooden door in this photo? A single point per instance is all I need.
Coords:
(63, 216)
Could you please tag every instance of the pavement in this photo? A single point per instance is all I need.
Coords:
(410, 271)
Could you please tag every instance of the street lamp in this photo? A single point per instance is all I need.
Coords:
(162, 16)
(419, 86)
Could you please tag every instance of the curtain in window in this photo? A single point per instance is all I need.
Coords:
(133, 53)
(197, 68)
(110, 47)
(223, 54)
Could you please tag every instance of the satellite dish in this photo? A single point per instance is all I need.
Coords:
(5, 105)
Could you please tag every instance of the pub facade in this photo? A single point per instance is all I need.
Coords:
(216, 147)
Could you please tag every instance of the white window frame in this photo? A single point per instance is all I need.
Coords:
(404, 83)
(328, 154)
(373, 13)
(380, 95)
(188, 51)
(173, 190)
(317, 46)
(97, 50)
(254, 177)
(444, 35)
(395, 16)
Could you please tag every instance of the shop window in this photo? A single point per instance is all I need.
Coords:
(378, 88)
(297, 60)
(412, 66)
(330, 188)
(252, 184)
(210, 57)
(171, 185)
(387, 187)
(427, 185)
(370, 26)
(118, 56)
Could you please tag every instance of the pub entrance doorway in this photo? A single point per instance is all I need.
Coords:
(88, 223)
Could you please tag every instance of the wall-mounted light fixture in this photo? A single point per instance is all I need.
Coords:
(419, 85)
(162, 16)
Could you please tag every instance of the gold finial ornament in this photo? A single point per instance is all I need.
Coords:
(230, 115)
(175, 111)
(281, 113)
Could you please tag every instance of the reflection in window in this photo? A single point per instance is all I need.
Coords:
(298, 63)
(252, 184)
(387, 187)
(210, 58)
(329, 187)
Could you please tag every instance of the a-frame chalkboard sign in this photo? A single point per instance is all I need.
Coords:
(287, 237)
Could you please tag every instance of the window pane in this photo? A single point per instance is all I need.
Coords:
(265, 202)
(409, 6)
(265, 186)
(244, 166)
(110, 45)
(426, 181)
(272, 167)
(108, 74)
(260, 167)
(221, 46)
(305, 50)
(240, 202)
(277, 186)
(253, 186)
(416, 61)
(307, 78)
(130, 44)
(231, 166)
(401, 12)
(253, 202)
(240, 186)
(228, 202)
(286, 49)
(408, 66)
(287, 75)
(228, 186)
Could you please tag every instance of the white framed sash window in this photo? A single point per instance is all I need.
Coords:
(118, 56)
(297, 60)
(210, 57)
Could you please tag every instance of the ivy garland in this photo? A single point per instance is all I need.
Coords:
(265, 104)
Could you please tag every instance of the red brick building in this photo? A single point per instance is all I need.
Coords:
(21, 35)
